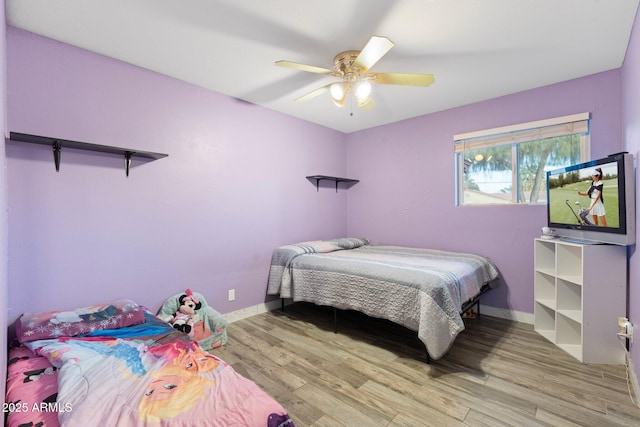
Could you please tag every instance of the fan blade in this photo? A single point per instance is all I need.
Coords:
(403, 79)
(303, 67)
(375, 49)
(313, 94)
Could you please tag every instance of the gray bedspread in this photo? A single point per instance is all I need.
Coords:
(421, 289)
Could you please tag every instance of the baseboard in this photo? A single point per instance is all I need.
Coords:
(234, 316)
(503, 313)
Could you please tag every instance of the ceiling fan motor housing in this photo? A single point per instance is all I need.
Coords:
(343, 64)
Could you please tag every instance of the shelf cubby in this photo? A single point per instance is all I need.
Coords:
(569, 302)
(545, 257)
(545, 320)
(545, 286)
(569, 262)
(568, 331)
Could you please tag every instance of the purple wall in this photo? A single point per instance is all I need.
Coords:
(4, 292)
(406, 171)
(206, 217)
(631, 120)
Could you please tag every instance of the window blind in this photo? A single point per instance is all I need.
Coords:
(542, 129)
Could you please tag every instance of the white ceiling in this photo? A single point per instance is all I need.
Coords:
(477, 49)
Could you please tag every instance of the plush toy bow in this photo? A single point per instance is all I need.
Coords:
(191, 296)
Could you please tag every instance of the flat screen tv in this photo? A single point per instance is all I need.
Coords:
(575, 212)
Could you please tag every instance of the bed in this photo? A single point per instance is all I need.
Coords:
(424, 290)
(121, 365)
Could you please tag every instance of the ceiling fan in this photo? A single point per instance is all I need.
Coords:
(352, 66)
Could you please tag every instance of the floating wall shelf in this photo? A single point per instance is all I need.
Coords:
(337, 180)
(57, 144)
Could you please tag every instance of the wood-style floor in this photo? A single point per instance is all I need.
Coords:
(373, 373)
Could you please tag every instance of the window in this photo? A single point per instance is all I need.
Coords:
(508, 165)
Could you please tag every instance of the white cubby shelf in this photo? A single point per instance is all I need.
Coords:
(580, 290)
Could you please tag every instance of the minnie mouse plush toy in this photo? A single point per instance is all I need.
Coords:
(186, 316)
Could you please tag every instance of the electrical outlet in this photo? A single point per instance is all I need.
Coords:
(232, 294)
(625, 328)
(622, 324)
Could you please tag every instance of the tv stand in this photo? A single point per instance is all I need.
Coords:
(580, 290)
(580, 241)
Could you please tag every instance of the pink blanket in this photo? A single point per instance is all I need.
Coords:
(151, 374)
(32, 388)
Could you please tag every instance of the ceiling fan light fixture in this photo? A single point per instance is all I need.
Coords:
(363, 90)
(340, 103)
(363, 93)
(339, 93)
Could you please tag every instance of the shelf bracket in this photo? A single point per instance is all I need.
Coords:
(56, 153)
(127, 162)
(318, 184)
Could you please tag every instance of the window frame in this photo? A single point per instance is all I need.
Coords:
(515, 135)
